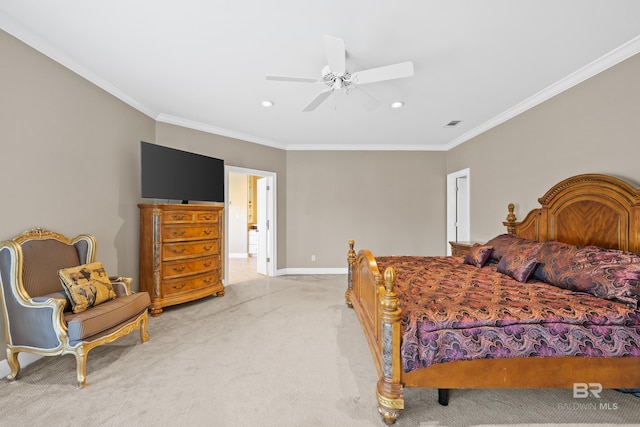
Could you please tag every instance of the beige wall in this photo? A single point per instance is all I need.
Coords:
(69, 156)
(388, 202)
(592, 128)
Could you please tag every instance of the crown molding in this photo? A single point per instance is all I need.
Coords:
(43, 46)
(365, 147)
(204, 127)
(601, 64)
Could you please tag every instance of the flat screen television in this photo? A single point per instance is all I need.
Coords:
(172, 174)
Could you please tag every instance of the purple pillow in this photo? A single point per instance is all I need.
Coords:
(518, 264)
(478, 255)
(505, 243)
(605, 273)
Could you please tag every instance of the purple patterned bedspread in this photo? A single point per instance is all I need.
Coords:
(455, 311)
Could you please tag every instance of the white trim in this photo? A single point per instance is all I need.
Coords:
(216, 130)
(365, 147)
(25, 359)
(606, 61)
(286, 271)
(43, 46)
(451, 204)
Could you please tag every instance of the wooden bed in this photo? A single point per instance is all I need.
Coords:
(586, 209)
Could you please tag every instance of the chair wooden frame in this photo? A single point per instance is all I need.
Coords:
(12, 250)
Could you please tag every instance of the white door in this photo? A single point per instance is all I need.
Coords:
(263, 225)
(458, 207)
(462, 209)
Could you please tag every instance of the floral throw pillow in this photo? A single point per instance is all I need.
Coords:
(518, 264)
(86, 285)
(478, 255)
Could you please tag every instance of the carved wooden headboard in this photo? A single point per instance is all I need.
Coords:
(588, 209)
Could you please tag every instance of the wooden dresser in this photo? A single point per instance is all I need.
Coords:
(180, 253)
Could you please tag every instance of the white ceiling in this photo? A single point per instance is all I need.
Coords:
(202, 64)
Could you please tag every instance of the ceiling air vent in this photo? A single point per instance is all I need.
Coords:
(452, 123)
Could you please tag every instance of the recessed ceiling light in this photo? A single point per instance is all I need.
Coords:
(397, 104)
(267, 103)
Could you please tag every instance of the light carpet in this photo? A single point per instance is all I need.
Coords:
(282, 351)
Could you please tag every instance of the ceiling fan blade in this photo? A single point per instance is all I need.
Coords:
(318, 100)
(336, 54)
(365, 99)
(292, 79)
(389, 72)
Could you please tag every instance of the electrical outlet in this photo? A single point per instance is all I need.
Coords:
(313, 257)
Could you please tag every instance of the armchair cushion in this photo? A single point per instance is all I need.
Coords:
(86, 285)
(102, 319)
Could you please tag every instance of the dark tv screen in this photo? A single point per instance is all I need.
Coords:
(169, 173)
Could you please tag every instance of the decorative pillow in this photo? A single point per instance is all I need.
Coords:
(605, 273)
(555, 260)
(518, 264)
(86, 285)
(505, 243)
(478, 255)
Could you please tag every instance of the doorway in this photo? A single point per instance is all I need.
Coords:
(458, 207)
(249, 224)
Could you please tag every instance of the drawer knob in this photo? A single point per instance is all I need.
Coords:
(180, 286)
(179, 269)
(178, 251)
(208, 248)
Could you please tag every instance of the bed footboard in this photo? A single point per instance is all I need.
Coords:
(377, 306)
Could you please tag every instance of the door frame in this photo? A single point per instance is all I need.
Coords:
(452, 205)
(272, 242)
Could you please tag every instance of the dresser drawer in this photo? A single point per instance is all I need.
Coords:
(188, 217)
(179, 286)
(172, 251)
(206, 217)
(183, 232)
(181, 268)
(171, 217)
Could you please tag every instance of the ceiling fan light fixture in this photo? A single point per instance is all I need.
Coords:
(397, 104)
(336, 78)
(267, 103)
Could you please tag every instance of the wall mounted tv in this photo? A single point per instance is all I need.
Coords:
(168, 173)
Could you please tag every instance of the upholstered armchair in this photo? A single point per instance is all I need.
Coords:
(46, 314)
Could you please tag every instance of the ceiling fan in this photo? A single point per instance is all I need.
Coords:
(336, 77)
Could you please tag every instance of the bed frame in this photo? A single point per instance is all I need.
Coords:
(585, 209)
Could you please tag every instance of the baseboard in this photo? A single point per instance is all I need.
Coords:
(25, 360)
(239, 255)
(339, 270)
